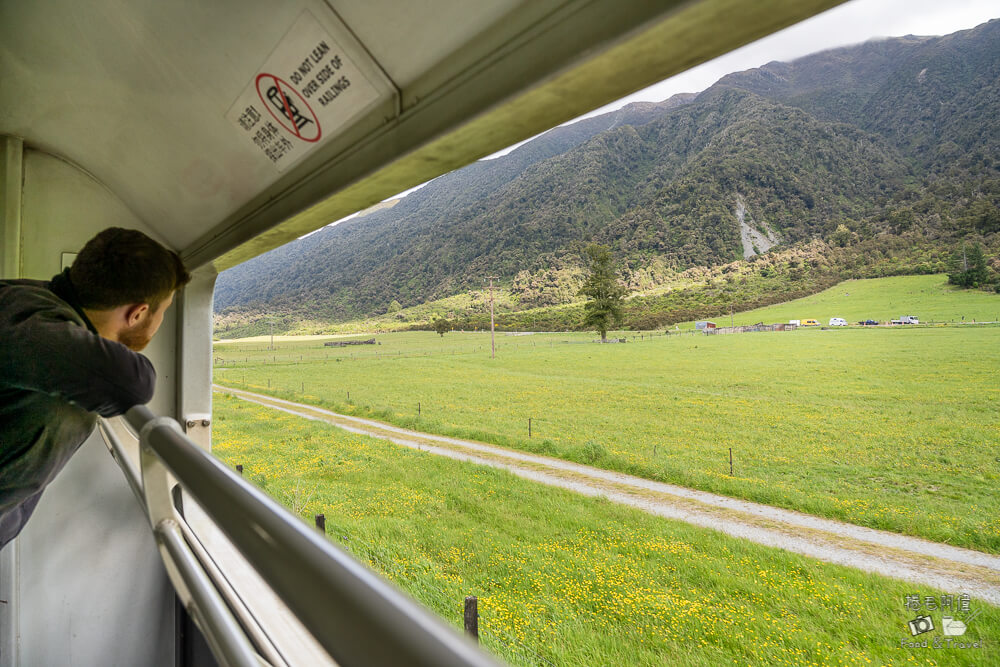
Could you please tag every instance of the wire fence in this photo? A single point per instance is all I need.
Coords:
(383, 562)
(240, 356)
(398, 413)
(231, 358)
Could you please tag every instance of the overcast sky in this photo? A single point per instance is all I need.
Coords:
(850, 23)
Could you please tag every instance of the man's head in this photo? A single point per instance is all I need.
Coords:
(125, 281)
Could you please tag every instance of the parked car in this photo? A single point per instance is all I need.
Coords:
(869, 323)
(838, 322)
(810, 323)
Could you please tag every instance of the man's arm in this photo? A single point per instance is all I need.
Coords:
(50, 353)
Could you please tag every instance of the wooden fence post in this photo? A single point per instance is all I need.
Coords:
(471, 617)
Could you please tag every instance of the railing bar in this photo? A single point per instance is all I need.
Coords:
(229, 645)
(132, 475)
(110, 432)
(232, 598)
(356, 616)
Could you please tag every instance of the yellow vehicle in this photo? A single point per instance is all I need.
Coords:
(810, 323)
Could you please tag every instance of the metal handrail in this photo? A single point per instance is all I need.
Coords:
(200, 595)
(358, 618)
(132, 474)
(222, 631)
(207, 607)
(255, 633)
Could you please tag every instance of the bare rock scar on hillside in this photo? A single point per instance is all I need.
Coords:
(754, 241)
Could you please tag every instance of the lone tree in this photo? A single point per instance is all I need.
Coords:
(442, 326)
(604, 291)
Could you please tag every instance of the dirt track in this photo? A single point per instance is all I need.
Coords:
(889, 554)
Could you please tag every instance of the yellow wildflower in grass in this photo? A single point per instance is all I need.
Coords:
(571, 579)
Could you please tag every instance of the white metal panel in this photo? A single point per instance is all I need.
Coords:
(87, 582)
(62, 208)
(92, 590)
(409, 39)
(193, 396)
(137, 94)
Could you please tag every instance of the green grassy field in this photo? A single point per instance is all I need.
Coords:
(568, 580)
(562, 579)
(894, 428)
(928, 297)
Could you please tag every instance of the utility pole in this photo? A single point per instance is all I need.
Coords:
(493, 343)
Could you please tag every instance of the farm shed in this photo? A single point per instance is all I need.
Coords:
(753, 328)
(345, 343)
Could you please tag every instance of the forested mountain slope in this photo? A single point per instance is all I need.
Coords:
(335, 256)
(888, 138)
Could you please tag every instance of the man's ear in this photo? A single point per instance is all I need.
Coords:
(135, 313)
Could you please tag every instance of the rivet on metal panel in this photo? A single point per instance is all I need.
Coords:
(198, 424)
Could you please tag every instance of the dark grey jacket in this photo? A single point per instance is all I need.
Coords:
(56, 375)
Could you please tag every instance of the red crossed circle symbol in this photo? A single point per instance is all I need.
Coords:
(277, 97)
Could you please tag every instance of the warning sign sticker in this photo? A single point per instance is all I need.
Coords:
(303, 93)
(281, 102)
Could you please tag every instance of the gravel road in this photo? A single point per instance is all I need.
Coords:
(889, 554)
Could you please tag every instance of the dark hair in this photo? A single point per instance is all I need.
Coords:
(122, 266)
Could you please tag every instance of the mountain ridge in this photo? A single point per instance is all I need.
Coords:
(861, 137)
